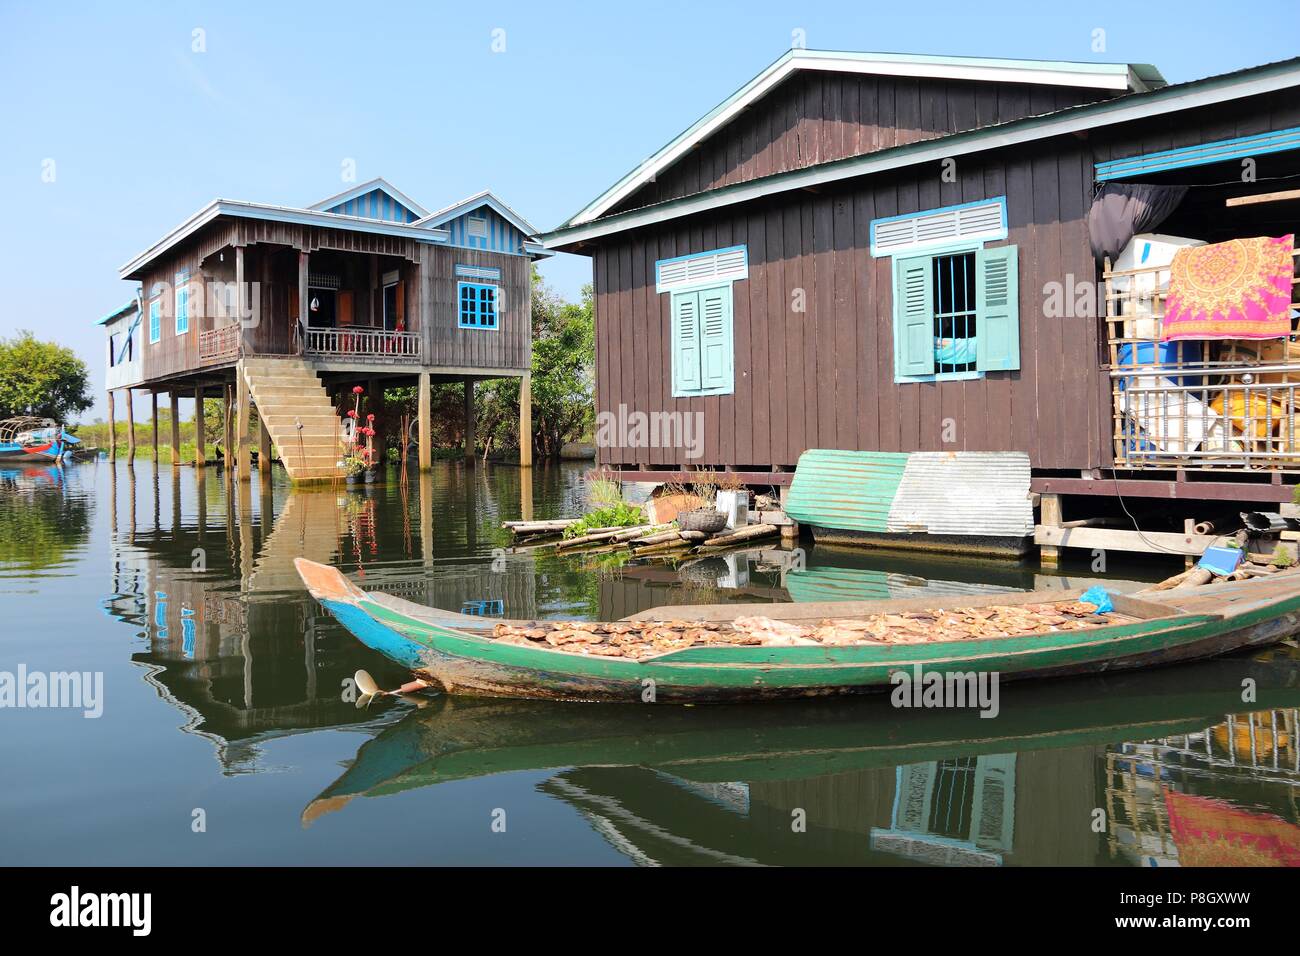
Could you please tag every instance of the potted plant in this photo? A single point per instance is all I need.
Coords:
(358, 461)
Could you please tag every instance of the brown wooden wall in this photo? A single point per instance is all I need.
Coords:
(817, 117)
(509, 346)
(825, 378)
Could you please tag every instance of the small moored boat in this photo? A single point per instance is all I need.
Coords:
(462, 654)
(34, 440)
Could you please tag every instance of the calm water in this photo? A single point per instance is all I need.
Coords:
(223, 699)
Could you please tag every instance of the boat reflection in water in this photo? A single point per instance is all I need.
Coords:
(844, 781)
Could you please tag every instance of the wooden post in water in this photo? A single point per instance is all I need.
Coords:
(243, 448)
(130, 428)
(1049, 517)
(200, 446)
(425, 426)
(263, 448)
(175, 397)
(227, 430)
(153, 401)
(469, 421)
(112, 428)
(526, 421)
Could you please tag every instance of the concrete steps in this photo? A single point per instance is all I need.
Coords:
(287, 392)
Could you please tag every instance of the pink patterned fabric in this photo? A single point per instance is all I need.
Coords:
(1239, 289)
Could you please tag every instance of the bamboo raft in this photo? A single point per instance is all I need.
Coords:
(461, 654)
(658, 541)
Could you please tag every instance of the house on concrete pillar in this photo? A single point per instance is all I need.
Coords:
(286, 306)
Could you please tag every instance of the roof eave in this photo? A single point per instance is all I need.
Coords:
(248, 210)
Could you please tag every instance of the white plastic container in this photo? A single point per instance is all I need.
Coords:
(1147, 250)
(735, 505)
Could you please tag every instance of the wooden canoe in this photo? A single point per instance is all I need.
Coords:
(457, 653)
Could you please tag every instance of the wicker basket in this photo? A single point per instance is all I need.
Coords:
(702, 519)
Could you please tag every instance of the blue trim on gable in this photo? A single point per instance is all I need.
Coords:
(1219, 151)
(953, 240)
(376, 204)
(502, 236)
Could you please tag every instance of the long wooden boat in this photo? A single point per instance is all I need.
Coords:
(458, 654)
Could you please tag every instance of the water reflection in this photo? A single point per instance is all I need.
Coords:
(1142, 769)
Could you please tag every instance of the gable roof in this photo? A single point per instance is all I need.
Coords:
(1116, 77)
(1226, 87)
(379, 183)
(469, 204)
(428, 229)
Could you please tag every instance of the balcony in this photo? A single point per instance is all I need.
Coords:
(1204, 405)
(219, 345)
(370, 344)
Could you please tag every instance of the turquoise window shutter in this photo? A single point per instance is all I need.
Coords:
(717, 352)
(155, 321)
(686, 342)
(997, 298)
(913, 316)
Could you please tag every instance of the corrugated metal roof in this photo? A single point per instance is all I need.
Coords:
(846, 490)
(983, 493)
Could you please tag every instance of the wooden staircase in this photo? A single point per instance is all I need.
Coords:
(288, 392)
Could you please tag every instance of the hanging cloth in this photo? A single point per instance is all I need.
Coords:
(1121, 210)
(1240, 289)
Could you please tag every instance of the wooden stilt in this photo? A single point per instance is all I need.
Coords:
(130, 427)
(200, 444)
(153, 402)
(112, 428)
(470, 443)
(1050, 517)
(263, 448)
(228, 429)
(175, 398)
(526, 421)
(243, 448)
(424, 425)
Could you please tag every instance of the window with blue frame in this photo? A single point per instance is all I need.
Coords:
(182, 310)
(956, 301)
(155, 321)
(478, 305)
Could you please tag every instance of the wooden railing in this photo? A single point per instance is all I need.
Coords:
(218, 345)
(368, 343)
(1232, 404)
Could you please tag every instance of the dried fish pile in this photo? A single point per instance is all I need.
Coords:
(638, 639)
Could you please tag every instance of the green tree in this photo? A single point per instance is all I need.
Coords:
(41, 378)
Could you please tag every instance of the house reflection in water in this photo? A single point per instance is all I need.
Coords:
(1225, 795)
(232, 642)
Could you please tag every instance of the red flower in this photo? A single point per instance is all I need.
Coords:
(352, 413)
(370, 417)
(357, 389)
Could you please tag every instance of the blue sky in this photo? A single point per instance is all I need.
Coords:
(143, 131)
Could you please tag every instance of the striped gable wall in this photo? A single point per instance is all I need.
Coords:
(501, 236)
(375, 204)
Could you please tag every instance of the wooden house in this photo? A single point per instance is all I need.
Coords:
(892, 253)
(290, 307)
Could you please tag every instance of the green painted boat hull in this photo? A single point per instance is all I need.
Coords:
(458, 661)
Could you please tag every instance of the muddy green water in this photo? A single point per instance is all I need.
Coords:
(225, 737)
